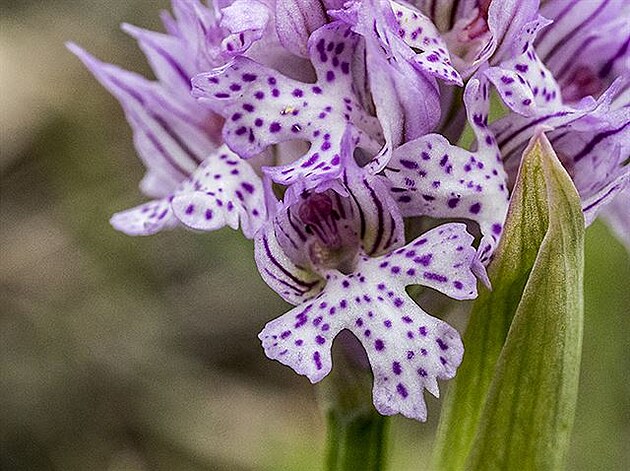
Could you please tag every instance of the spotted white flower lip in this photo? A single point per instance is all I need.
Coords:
(262, 107)
(342, 263)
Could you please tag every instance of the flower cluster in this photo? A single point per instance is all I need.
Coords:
(352, 111)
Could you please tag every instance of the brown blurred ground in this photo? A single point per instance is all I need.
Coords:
(122, 353)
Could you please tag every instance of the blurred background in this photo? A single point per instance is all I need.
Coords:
(120, 353)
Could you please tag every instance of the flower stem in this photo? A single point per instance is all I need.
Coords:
(356, 433)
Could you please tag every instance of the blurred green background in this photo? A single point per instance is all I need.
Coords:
(122, 353)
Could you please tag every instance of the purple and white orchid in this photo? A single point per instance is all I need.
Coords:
(361, 92)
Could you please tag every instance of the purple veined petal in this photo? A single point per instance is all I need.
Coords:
(595, 155)
(198, 28)
(604, 56)
(617, 215)
(294, 283)
(586, 117)
(507, 20)
(169, 138)
(559, 42)
(263, 107)
(406, 99)
(616, 188)
(224, 190)
(326, 228)
(380, 224)
(296, 20)
(146, 219)
(420, 34)
(429, 176)
(246, 21)
(525, 85)
(315, 231)
(407, 348)
(168, 56)
(154, 185)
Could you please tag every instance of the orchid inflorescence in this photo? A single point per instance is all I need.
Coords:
(352, 113)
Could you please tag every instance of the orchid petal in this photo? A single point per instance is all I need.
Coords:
(559, 44)
(168, 57)
(296, 20)
(523, 82)
(407, 348)
(420, 34)
(146, 219)
(325, 228)
(170, 137)
(262, 107)
(432, 177)
(224, 190)
(596, 202)
(617, 216)
(295, 283)
(246, 21)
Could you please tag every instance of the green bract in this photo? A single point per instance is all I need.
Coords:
(513, 401)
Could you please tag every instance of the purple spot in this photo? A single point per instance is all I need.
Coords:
(396, 368)
(250, 77)
(402, 390)
(442, 344)
(379, 345)
(453, 202)
(423, 331)
(317, 360)
(275, 127)
(410, 164)
(320, 340)
(475, 208)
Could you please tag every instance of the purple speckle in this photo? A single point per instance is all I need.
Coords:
(317, 360)
(379, 345)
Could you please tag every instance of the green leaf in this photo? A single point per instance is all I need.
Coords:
(512, 403)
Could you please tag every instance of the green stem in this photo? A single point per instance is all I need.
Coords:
(356, 433)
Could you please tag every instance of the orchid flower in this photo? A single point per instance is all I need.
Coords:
(352, 112)
(176, 138)
(339, 256)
